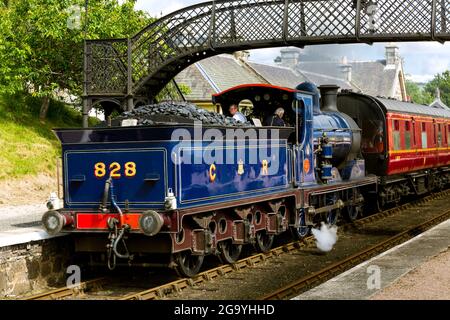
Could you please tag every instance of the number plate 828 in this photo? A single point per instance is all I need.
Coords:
(114, 170)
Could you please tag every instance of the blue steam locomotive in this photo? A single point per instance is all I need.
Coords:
(184, 191)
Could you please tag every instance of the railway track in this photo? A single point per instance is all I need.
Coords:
(177, 286)
(339, 267)
(66, 292)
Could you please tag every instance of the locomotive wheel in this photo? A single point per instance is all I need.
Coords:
(188, 265)
(264, 241)
(332, 215)
(229, 252)
(300, 232)
(352, 213)
(303, 230)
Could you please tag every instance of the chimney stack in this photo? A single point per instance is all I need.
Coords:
(290, 57)
(328, 95)
(242, 55)
(392, 55)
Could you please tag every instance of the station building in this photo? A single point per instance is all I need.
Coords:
(384, 77)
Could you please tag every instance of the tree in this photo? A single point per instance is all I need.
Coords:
(441, 81)
(417, 94)
(41, 41)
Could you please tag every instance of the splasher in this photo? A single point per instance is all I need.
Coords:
(326, 237)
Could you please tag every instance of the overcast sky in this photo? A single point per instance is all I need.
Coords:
(422, 59)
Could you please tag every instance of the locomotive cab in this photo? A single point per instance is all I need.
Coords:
(261, 102)
(265, 100)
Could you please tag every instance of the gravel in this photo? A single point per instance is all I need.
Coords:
(177, 112)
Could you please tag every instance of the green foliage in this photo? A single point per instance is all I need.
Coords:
(41, 41)
(170, 92)
(29, 146)
(441, 81)
(185, 89)
(417, 94)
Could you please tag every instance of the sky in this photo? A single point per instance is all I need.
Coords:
(422, 60)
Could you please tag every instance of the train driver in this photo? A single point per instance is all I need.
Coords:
(236, 114)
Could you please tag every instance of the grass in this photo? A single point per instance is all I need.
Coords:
(29, 147)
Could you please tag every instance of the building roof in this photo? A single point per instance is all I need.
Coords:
(226, 72)
(222, 72)
(321, 79)
(195, 80)
(370, 77)
(215, 74)
(437, 103)
(329, 68)
(374, 78)
(277, 75)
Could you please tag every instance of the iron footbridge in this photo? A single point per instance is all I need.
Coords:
(134, 70)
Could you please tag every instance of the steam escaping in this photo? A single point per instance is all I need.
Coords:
(325, 237)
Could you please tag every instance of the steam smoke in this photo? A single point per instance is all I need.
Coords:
(325, 237)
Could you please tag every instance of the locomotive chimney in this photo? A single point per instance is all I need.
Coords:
(328, 94)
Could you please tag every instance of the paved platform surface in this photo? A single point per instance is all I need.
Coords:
(21, 224)
(371, 277)
(430, 281)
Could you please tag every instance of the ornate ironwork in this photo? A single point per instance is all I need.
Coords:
(107, 67)
(145, 63)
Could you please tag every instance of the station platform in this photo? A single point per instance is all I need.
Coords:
(21, 224)
(416, 269)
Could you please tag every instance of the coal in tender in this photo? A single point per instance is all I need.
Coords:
(177, 112)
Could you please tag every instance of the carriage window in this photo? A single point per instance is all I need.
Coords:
(407, 135)
(396, 133)
(444, 133)
(434, 133)
(407, 125)
(448, 134)
(424, 136)
(439, 135)
(414, 134)
(396, 125)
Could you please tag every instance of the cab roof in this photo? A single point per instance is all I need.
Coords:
(256, 93)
